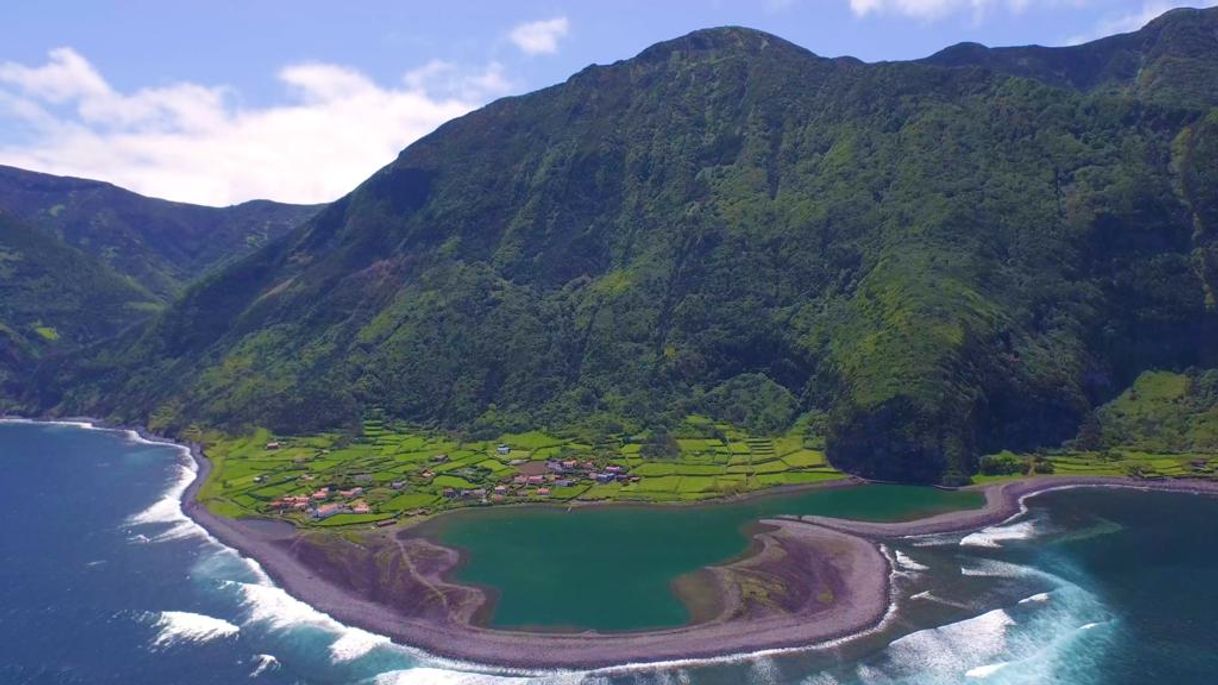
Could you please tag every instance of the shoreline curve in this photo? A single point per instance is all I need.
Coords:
(414, 604)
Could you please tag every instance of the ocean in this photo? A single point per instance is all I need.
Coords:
(103, 580)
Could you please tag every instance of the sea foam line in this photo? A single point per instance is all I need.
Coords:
(178, 627)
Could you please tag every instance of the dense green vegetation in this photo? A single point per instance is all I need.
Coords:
(54, 297)
(81, 260)
(1163, 426)
(932, 260)
(160, 245)
(1161, 412)
(390, 471)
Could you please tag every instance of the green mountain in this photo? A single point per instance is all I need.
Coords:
(54, 297)
(82, 260)
(159, 244)
(938, 258)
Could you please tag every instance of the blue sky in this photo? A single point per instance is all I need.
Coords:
(223, 101)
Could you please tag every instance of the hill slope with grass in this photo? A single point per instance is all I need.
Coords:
(54, 297)
(159, 244)
(939, 259)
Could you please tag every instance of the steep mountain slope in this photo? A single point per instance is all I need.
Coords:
(159, 244)
(1170, 60)
(945, 258)
(55, 297)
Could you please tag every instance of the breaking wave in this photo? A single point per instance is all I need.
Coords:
(264, 663)
(179, 627)
(905, 562)
(994, 536)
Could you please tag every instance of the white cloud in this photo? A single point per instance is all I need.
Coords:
(540, 37)
(1135, 19)
(195, 143)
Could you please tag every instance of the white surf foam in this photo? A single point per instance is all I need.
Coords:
(998, 569)
(986, 671)
(179, 627)
(354, 643)
(436, 676)
(167, 511)
(264, 663)
(907, 563)
(928, 596)
(994, 536)
(1036, 598)
(955, 647)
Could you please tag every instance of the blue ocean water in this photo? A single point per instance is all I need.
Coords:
(103, 580)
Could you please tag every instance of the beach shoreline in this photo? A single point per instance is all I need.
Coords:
(856, 573)
(1003, 502)
(397, 583)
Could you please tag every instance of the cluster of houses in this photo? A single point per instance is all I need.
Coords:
(558, 474)
(535, 479)
(325, 502)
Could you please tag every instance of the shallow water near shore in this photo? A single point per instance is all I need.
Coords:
(104, 581)
(620, 561)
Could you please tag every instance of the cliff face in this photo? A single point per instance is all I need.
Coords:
(945, 256)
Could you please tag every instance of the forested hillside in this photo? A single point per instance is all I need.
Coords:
(942, 258)
(54, 297)
(82, 260)
(161, 245)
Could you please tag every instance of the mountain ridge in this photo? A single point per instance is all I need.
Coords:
(161, 244)
(937, 260)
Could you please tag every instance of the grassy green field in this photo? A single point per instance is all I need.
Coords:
(401, 471)
(1116, 462)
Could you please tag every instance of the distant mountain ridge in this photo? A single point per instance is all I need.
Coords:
(1171, 57)
(81, 260)
(160, 244)
(936, 258)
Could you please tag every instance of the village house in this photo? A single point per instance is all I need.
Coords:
(536, 480)
(501, 489)
(606, 477)
(398, 484)
(427, 474)
(543, 492)
(503, 449)
(440, 458)
(323, 493)
(449, 493)
(563, 483)
(273, 445)
(325, 511)
(353, 492)
(360, 507)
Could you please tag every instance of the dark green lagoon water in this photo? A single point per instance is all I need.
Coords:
(612, 568)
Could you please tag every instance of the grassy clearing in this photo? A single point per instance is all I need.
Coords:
(395, 470)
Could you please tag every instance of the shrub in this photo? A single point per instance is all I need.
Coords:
(1002, 464)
